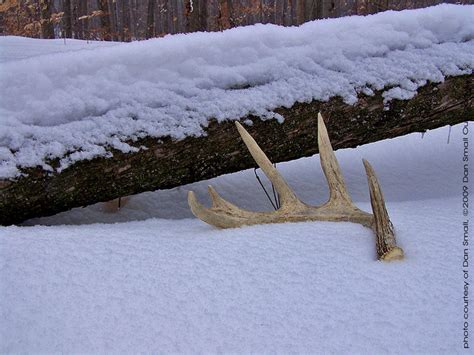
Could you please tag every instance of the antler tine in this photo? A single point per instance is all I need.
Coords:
(386, 244)
(224, 214)
(287, 196)
(201, 212)
(219, 202)
(332, 171)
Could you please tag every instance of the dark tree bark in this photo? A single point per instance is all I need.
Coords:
(224, 19)
(279, 12)
(125, 29)
(192, 15)
(164, 17)
(133, 20)
(150, 19)
(203, 14)
(287, 19)
(84, 11)
(310, 10)
(300, 17)
(106, 28)
(76, 24)
(47, 27)
(168, 163)
(67, 20)
(326, 8)
(179, 15)
(113, 18)
(171, 16)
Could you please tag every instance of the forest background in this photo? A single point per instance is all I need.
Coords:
(130, 20)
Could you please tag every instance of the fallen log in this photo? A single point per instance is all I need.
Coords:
(167, 163)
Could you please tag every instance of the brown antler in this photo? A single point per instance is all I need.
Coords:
(339, 207)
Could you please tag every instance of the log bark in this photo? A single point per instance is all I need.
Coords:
(168, 163)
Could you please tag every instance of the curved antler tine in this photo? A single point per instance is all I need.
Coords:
(287, 196)
(219, 203)
(386, 244)
(332, 171)
(223, 214)
(203, 213)
(217, 200)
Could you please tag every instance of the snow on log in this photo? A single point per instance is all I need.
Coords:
(167, 162)
(87, 124)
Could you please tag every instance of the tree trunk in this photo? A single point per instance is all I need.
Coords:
(67, 19)
(125, 29)
(179, 14)
(106, 28)
(168, 163)
(194, 15)
(47, 27)
(133, 21)
(76, 24)
(113, 18)
(267, 11)
(150, 19)
(85, 22)
(224, 14)
(173, 16)
(300, 17)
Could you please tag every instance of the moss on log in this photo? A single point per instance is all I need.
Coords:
(168, 163)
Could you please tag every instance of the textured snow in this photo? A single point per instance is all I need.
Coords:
(162, 285)
(76, 105)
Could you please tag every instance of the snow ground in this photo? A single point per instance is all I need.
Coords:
(14, 48)
(179, 285)
(73, 105)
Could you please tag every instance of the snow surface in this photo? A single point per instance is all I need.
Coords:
(75, 105)
(14, 48)
(179, 285)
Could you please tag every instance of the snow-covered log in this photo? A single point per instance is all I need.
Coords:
(167, 162)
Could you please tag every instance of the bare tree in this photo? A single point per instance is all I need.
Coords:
(300, 15)
(150, 19)
(224, 20)
(125, 28)
(47, 28)
(195, 14)
(203, 14)
(67, 19)
(113, 19)
(83, 10)
(106, 28)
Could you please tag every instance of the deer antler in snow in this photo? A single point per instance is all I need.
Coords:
(339, 207)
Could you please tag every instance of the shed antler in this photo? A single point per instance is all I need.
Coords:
(339, 207)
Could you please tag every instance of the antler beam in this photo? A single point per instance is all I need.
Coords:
(339, 207)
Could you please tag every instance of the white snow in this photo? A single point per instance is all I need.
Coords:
(178, 285)
(75, 105)
(14, 48)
